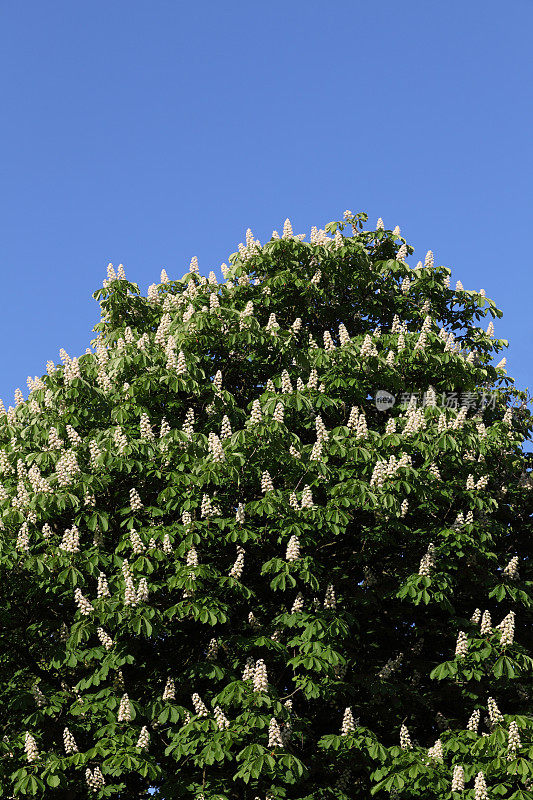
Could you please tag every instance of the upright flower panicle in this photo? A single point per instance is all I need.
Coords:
(274, 734)
(405, 739)
(144, 738)
(260, 677)
(458, 778)
(30, 748)
(199, 706)
(124, 709)
(480, 787)
(348, 722)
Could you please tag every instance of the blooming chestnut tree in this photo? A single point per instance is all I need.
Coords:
(271, 538)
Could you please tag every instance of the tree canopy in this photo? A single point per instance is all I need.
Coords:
(270, 538)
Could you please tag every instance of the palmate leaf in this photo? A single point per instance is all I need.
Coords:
(231, 574)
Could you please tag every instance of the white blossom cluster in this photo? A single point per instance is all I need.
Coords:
(249, 669)
(434, 470)
(458, 779)
(238, 566)
(480, 787)
(507, 626)
(307, 498)
(146, 428)
(170, 353)
(316, 451)
(278, 413)
(274, 734)
(102, 587)
(181, 366)
(83, 604)
(368, 348)
(136, 542)
(405, 739)
(188, 425)
(212, 650)
(286, 385)
(124, 709)
(38, 482)
(215, 448)
(461, 648)
(329, 344)
(298, 603)
(207, 508)
(47, 531)
(105, 638)
(225, 430)
(23, 538)
(246, 314)
(199, 706)
(130, 595)
(144, 738)
(30, 748)
(260, 677)
(69, 743)
(495, 716)
(344, 336)
(164, 430)
(415, 421)
(22, 500)
(70, 542)
(217, 381)
(73, 435)
(357, 423)
(514, 742)
(486, 624)
(293, 549)
(220, 718)
(427, 562)
(95, 453)
(266, 482)
(169, 692)
(387, 469)
(94, 779)
(435, 752)
(473, 722)
(511, 570)
(330, 599)
(135, 500)
(348, 722)
(312, 381)
(272, 325)
(71, 370)
(67, 468)
(142, 591)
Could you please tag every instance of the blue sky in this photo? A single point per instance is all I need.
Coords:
(148, 132)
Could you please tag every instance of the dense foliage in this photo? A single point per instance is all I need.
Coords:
(228, 572)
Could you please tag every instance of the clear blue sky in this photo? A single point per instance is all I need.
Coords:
(146, 132)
